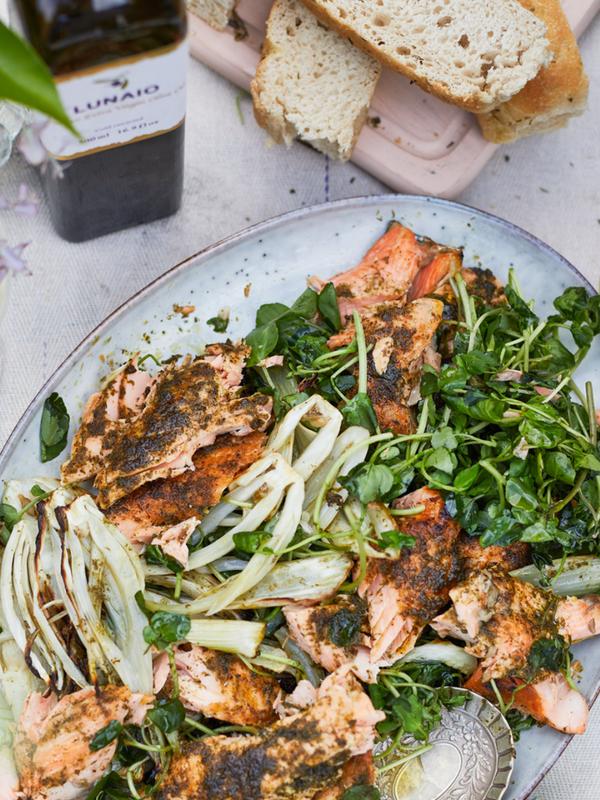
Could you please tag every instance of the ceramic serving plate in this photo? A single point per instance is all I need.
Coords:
(271, 262)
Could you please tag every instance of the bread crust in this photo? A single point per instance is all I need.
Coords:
(557, 93)
(475, 102)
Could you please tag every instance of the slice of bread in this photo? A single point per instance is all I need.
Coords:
(557, 93)
(216, 12)
(474, 54)
(311, 83)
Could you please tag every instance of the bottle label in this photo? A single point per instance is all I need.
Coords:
(128, 100)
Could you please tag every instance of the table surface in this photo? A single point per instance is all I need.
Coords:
(548, 185)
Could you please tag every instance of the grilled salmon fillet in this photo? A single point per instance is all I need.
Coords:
(475, 557)
(52, 742)
(219, 685)
(169, 501)
(104, 414)
(359, 771)
(400, 338)
(399, 265)
(187, 407)
(405, 593)
(297, 757)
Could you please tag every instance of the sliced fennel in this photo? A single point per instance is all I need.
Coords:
(446, 652)
(579, 576)
(229, 635)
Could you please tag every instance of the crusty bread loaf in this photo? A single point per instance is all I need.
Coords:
(216, 12)
(311, 83)
(472, 53)
(558, 92)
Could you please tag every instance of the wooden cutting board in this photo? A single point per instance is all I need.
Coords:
(411, 141)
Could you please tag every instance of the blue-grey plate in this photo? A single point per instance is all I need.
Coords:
(271, 262)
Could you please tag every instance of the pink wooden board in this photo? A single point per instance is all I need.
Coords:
(420, 146)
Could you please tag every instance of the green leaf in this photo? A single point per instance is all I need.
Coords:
(444, 437)
(540, 532)
(395, 540)
(306, 305)
(166, 628)
(139, 599)
(344, 627)
(442, 459)
(541, 433)
(251, 541)
(464, 479)
(54, 428)
(155, 555)
(106, 735)
(25, 79)
(9, 515)
(127, 754)
(327, 303)
(359, 411)
(548, 654)
(559, 466)
(572, 302)
(37, 491)
(111, 785)
(219, 324)
(361, 792)
(521, 307)
(270, 312)
(368, 482)
(476, 362)
(588, 461)
(430, 383)
(263, 341)
(168, 715)
(562, 359)
(519, 495)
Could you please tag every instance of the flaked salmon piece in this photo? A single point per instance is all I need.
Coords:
(578, 618)
(551, 700)
(501, 618)
(475, 557)
(358, 771)
(336, 634)
(385, 273)
(297, 757)
(432, 277)
(219, 685)
(168, 501)
(173, 541)
(303, 696)
(401, 340)
(405, 593)
(189, 405)
(52, 742)
(104, 414)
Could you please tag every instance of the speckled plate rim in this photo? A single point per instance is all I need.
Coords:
(299, 216)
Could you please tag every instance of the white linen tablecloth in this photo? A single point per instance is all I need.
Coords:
(548, 185)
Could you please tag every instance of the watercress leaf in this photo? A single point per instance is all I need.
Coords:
(541, 433)
(442, 459)
(395, 540)
(501, 530)
(582, 334)
(359, 411)
(168, 715)
(476, 362)
(452, 378)
(306, 305)
(127, 754)
(270, 312)
(559, 466)
(329, 309)
(548, 653)
(587, 461)
(263, 341)
(139, 599)
(543, 531)
(466, 477)
(54, 427)
(519, 495)
(463, 509)
(295, 399)
(572, 302)
(344, 627)
(402, 481)
(37, 491)
(155, 555)
(106, 735)
(562, 359)
(251, 541)
(218, 324)
(368, 482)
(168, 628)
(361, 792)
(521, 307)
(9, 515)
(111, 785)
(429, 381)
(444, 437)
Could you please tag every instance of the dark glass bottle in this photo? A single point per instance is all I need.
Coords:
(120, 67)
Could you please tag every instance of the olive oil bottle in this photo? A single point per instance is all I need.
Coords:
(120, 68)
